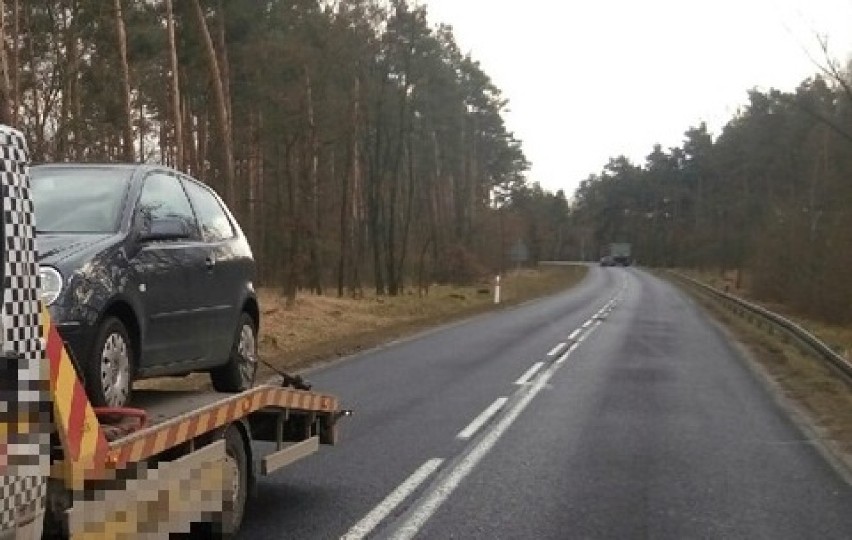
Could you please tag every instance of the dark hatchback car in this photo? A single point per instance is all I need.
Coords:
(146, 273)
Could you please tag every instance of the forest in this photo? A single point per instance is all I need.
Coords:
(360, 148)
(357, 145)
(770, 197)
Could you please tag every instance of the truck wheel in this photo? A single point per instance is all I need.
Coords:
(239, 373)
(237, 461)
(109, 371)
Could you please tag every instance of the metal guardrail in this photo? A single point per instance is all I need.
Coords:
(774, 321)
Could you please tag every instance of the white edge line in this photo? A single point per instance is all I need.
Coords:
(477, 423)
(436, 497)
(589, 332)
(587, 323)
(556, 350)
(567, 353)
(573, 335)
(528, 374)
(442, 492)
(394, 499)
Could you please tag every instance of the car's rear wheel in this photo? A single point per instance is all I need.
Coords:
(239, 373)
(236, 461)
(109, 372)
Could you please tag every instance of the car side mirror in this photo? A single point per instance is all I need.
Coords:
(164, 229)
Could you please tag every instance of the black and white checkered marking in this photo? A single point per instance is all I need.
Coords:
(28, 453)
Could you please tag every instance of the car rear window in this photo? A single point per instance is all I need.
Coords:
(78, 200)
(215, 224)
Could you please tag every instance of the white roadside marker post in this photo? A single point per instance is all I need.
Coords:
(497, 289)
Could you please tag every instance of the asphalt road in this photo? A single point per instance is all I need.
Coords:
(614, 410)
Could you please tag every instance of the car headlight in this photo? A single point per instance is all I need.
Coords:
(51, 284)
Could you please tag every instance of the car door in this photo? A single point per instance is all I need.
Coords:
(168, 273)
(224, 280)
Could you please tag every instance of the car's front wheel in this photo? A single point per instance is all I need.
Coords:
(110, 369)
(239, 373)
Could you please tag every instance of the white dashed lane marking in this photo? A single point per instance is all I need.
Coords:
(482, 419)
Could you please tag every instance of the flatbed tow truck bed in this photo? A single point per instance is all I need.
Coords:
(179, 468)
(164, 405)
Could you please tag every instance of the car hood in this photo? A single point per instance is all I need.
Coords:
(53, 248)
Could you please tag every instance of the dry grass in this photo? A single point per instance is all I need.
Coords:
(323, 327)
(320, 328)
(817, 391)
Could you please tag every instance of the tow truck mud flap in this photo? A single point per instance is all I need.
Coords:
(289, 454)
(163, 500)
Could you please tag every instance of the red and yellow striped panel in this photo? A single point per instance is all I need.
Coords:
(156, 439)
(83, 442)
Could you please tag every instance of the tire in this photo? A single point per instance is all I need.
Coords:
(233, 509)
(109, 371)
(226, 524)
(239, 372)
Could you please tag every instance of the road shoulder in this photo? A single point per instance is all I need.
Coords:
(811, 395)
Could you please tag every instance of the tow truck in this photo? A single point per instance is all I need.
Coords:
(178, 462)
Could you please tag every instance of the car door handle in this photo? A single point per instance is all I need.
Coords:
(209, 262)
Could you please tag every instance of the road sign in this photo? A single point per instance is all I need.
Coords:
(519, 253)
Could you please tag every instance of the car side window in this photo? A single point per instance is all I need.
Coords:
(214, 222)
(163, 198)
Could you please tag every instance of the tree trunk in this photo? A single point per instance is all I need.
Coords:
(409, 208)
(343, 253)
(312, 162)
(374, 208)
(127, 124)
(177, 117)
(5, 85)
(37, 147)
(142, 130)
(394, 279)
(190, 148)
(202, 136)
(16, 61)
(221, 104)
(224, 64)
(434, 201)
(295, 232)
(350, 202)
(252, 174)
(60, 136)
(260, 209)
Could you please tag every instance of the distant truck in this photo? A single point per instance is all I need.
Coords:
(619, 253)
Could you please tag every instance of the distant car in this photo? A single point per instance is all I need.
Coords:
(146, 273)
(607, 260)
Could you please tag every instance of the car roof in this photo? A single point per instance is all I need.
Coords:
(133, 170)
(130, 167)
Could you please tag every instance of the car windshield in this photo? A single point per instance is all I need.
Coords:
(78, 200)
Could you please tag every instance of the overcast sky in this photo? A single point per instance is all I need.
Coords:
(594, 79)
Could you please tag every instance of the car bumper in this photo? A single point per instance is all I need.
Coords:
(78, 338)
